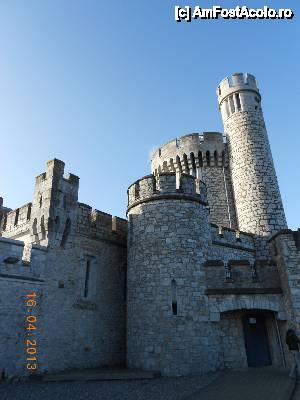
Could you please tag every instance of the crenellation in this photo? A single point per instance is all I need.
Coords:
(209, 254)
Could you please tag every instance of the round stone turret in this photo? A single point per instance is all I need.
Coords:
(203, 155)
(257, 198)
(168, 240)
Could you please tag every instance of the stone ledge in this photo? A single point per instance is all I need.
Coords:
(174, 196)
(21, 278)
(233, 246)
(214, 263)
(210, 292)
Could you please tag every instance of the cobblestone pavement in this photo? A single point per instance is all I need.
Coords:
(254, 384)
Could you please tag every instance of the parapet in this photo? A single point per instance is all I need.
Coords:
(100, 225)
(55, 169)
(189, 153)
(17, 221)
(227, 237)
(237, 82)
(163, 186)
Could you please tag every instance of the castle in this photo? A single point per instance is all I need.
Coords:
(204, 275)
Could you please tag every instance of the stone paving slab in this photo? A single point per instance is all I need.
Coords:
(250, 384)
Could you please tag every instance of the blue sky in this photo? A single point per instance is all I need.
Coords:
(99, 84)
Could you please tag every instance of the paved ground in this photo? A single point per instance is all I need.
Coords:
(251, 384)
(297, 392)
(254, 384)
(150, 389)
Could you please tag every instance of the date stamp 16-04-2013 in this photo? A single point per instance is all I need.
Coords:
(31, 325)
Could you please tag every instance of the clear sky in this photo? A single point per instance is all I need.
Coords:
(99, 84)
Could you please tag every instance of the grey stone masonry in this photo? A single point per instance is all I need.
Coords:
(257, 197)
(203, 155)
(204, 257)
(167, 314)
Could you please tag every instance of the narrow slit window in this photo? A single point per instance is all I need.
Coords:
(4, 222)
(231, 104)
(174, 297)
(43, 229)
(238, 101)
(87, 276)
(29, 212)
(227, 108)
(66, 233)
(17, 217)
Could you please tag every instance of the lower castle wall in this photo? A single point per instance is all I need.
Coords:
(17, 279)
(73, 331)
(81, 331)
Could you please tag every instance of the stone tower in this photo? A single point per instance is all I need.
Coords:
(54, 205)
(167, 314)
(257, 198)
(203, 155)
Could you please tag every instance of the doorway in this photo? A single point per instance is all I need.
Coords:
(256, 340)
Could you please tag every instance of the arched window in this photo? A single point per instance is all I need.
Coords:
(223, 158)
(200, 159)
(178, 164)
(208, 158)
(174, 296)
(194, 169)
(216, 158)
(186, 165)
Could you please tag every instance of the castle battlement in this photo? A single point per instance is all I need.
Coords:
(237, 82)
(189, 153)
(100, 225)
(17, 221)
(224, 236)
(163, 186)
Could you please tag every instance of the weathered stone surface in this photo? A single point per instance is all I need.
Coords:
(207, 246)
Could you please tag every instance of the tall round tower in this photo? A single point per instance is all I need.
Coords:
(257, 198)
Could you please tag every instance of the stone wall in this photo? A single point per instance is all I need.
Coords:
(19, 277)
(85, 315)
(80, 280)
